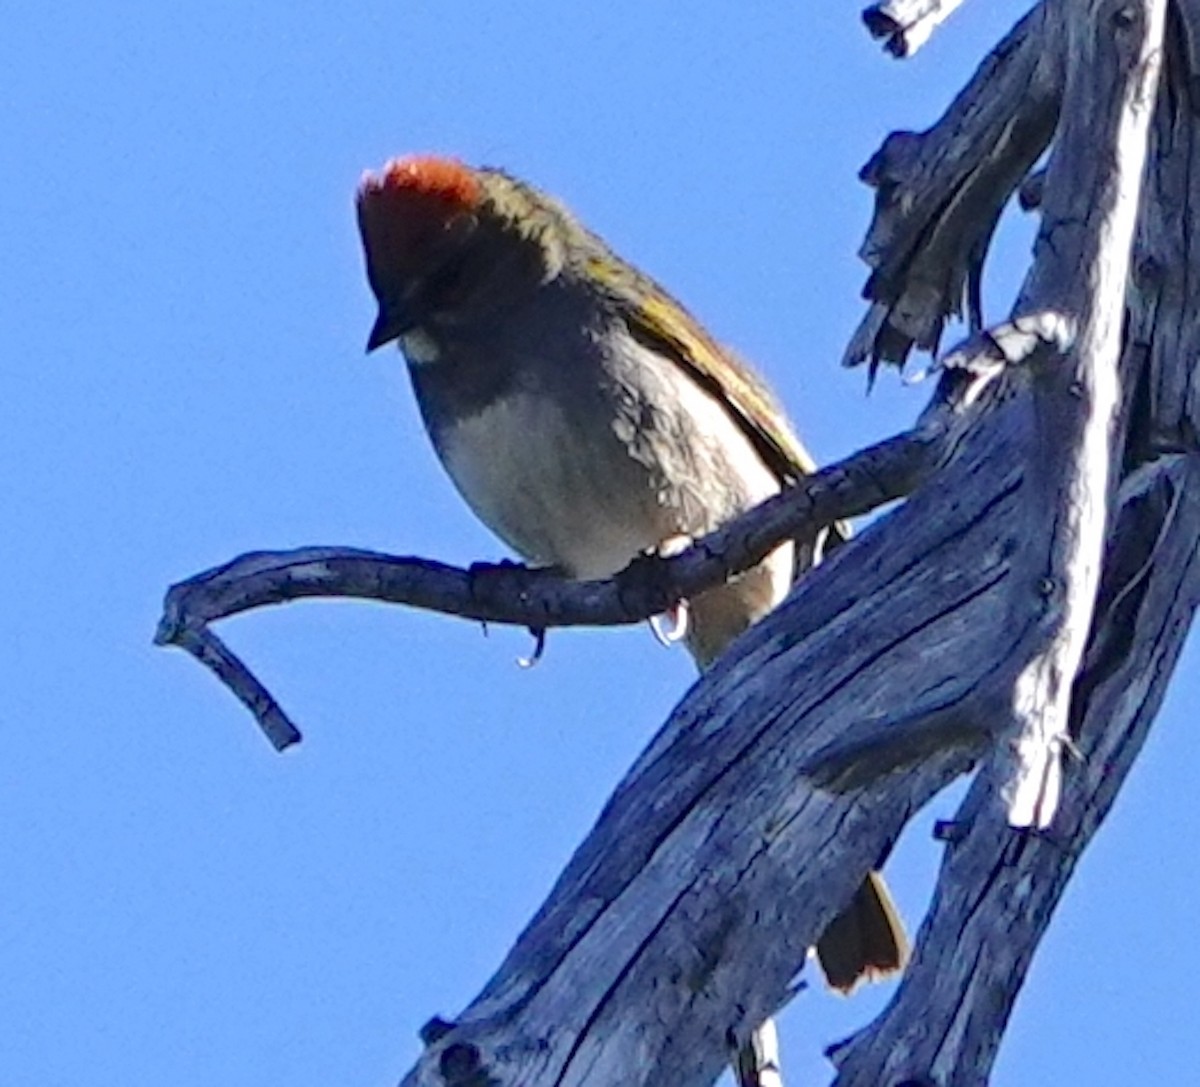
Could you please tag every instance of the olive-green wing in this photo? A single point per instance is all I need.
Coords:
(664, 326)
(667, 328)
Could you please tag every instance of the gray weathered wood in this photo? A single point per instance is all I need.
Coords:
(713, 867)
(537, 599)
(998, 888)
(939, 193)
(1066, 339)
(1080, 274)
(682, 920)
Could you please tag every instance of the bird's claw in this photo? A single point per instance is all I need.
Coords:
(672, 626)
(539, 647)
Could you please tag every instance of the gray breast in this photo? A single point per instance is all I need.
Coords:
(585, 468)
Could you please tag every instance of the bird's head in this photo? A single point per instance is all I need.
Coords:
(447, 245)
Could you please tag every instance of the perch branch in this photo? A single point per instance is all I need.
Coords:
(540, 599)
(683, 917)
(681, 922)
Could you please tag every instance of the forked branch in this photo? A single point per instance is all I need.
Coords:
(794, 763)
(684, 916)
(998, 889)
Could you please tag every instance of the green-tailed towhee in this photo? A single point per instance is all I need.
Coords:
(584, 414)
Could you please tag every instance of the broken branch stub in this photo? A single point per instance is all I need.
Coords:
(906, 25)
(1066, 338)
(939, 193)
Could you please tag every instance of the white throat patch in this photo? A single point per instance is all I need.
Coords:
(419, 347)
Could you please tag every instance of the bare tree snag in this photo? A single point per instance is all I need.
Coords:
(997, 891)
(1021, 611)
(684, 917)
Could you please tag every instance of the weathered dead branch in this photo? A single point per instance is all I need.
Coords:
(1081, 268)
(998, 889)
(680, 923)
(712, 866)
(1069, 341)
(997, 892)
(1049, 550)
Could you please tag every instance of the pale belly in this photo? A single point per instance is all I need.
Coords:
(655, 457)
(548, 492)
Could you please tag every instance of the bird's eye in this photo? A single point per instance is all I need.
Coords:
(446, 288)
(458, 228)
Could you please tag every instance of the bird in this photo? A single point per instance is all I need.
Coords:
(587, 417)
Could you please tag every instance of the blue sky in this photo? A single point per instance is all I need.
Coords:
(183, 313)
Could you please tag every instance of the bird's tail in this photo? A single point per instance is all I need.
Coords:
(866, 940)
